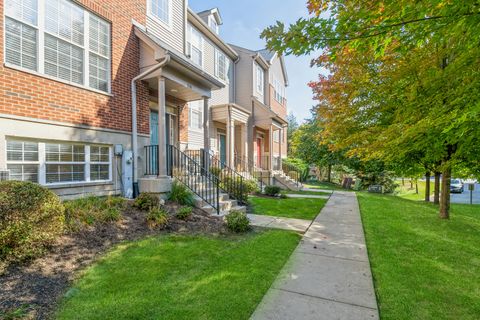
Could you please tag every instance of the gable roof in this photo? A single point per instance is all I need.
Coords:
(270, 57)
(215, 12)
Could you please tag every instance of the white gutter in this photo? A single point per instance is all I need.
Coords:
(134, 112)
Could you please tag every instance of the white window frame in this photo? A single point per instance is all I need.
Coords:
(41, 31)
(259, 79)
(276, 136)
(167, 24)
(42, 162)
(218, 55)
(200, 47)
(197, 108)
(91, 162)
(23, 161)
(212, 23)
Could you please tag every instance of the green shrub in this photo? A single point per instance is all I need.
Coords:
(300, 166)
(31, 218)
(184, 213)
(146, 201)
(157, 218)
(283, 196)
(272, 191)
(91, 210)
(216, 171)
(181, 195)
(237, 221)
(239, 187)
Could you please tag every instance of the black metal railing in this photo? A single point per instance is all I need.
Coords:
(187, 171)
(292, 172)
(193, 175)
(151, 160)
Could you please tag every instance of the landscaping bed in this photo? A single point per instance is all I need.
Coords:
(423, 267)
(31, 289)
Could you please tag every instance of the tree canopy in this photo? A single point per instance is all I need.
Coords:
(403, 81)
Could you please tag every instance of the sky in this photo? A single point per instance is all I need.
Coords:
(242, 26)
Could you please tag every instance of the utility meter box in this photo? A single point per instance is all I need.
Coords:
(127, 174)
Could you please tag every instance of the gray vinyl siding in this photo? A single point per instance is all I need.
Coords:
(276, 72)
(174, 36)
(244, 80)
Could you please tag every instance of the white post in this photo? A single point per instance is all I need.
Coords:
(162, 141)
(280, 142)
(206, 126)
(270, 154)
(230, 138)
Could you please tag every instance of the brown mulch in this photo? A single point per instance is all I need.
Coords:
(37, 286)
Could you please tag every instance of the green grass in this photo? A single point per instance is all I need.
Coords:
(322, 185)
(406, 192)
(181, 277)
(313, 193)
(423, 267)
(299, 208)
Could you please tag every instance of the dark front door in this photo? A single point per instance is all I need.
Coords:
(223, 148)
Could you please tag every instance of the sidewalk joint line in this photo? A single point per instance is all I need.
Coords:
(332, 257)
(326, 299)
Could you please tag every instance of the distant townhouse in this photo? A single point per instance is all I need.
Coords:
(103, 98)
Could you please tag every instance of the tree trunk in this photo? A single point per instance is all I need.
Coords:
(445, 195)
(403, 182)
(416, 186)
(329, 173)
(427, 187)
(436, 196)
(411, 183)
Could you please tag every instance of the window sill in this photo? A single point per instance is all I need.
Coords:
(38, 74)
(77, 184)
(164, 24)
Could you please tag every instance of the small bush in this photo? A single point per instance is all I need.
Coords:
(157, 218)
(272, 191)
(184, 213)
(237, 221)
(181, 195)
(216, 171)
(31, 218)
(283, 196)
(238, 187)
(146, 201)
(91, 210)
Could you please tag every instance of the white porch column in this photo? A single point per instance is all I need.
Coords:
(280, 142)
(245, 144)
(270, 147)
(162, 141)
(230, 138)
(206, 125)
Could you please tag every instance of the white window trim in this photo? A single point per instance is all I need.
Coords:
(259, 70)
(17, 162)
(210, 19)
(190, 28)
(41, 31)
(168, 25)
(195, 108)
(218, 54)
(42, 163)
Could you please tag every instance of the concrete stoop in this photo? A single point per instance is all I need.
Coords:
(226, 205)
(282, 180)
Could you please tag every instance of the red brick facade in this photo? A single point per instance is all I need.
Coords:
(28, 95)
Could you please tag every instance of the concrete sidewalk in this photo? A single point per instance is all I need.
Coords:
(308, 196)
(328, 276)
(291, 224)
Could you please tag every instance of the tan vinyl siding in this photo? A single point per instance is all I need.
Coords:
(174, 34)
(244, 80)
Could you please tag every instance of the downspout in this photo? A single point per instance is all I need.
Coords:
(134, 112)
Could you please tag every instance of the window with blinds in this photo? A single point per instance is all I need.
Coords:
(160, 9)
(221, 65)
(195, 45)
(22, 160)
(195, 115)
(75, 43)
(99, 163)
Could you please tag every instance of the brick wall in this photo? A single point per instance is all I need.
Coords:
(278, 108)
(183, 123)
(27, 95)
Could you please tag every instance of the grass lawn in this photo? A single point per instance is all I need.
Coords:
(299, 208)
(406, 192)
(313, 193)
(322, 185)
(423, 267)
(181, 277)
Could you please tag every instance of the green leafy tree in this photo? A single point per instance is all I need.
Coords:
(403, 81)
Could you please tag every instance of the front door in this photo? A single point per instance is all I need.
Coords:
(259, 152)
(223, 147)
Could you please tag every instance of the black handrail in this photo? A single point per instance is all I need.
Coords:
(186, 171)
(292, 172)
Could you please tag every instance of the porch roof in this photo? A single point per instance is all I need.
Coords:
(265, 116)
(178, 60)
(238, 113)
